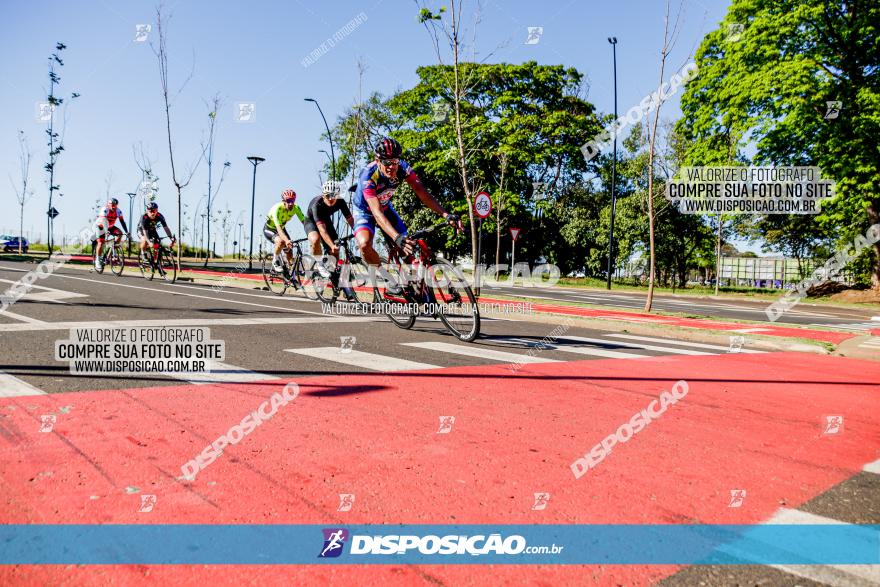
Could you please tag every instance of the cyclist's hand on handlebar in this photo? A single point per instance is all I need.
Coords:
(454, 220)
(405, 243)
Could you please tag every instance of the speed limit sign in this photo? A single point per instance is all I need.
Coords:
(482, 205)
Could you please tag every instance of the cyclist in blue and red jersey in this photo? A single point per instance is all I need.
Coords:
(372, 206)
(104, 225)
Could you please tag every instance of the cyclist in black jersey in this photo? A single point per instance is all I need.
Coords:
(319, 224)
(147, 228)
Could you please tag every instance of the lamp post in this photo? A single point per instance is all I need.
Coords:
(329, 137)
(613, 41)
(240, 237)
(131, 196)
(254, 161)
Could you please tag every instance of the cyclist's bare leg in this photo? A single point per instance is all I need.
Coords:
(282, 242)
(364, 240)
(315, 242)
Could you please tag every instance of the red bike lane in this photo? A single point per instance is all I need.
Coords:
(748, 421)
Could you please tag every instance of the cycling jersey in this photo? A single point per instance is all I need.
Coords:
(111, 214)
(372, 183)
(279, 216)
(321, 213)
(105, 226)
(147, 226)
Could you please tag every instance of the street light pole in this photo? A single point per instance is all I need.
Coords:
(613, 41)
(254, 161)
(329, 137)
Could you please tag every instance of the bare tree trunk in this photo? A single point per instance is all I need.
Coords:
(718, 254)
(498, 215)
(465, 181)
(664, 52)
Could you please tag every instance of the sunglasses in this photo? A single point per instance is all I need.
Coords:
(389, 162)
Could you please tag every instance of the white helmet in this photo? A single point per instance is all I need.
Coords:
(331, 187)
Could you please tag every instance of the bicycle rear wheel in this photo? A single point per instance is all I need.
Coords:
(117, 260)
(274, 280)
(455, 301)
(146, 267)
(167, 265)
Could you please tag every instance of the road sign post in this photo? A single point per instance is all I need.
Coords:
(482, 208)
(514, 233)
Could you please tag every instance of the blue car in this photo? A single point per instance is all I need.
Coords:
(9, 244)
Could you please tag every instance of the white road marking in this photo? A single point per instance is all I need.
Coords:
(851, 326)
(14, 387)
(223, 373)
(478, 351)
(158, 323)
(871, 342)
(354, 358)
(170, 289)
(21, 317)
(697, 345)
(665, 349)
(576, 349)
(845, 575)
(872, 467)
(41, 293)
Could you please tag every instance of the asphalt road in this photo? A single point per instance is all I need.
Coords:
(366, 420)
(851, 319)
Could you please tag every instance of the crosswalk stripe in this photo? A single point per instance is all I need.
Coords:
(354, 358)
(222, 373)
(478, 351)
(14, 387)
(697, 345)
(850, 326)
(649, 347)
(854, 575)
(872, 467)
(38, 325)
(576, 349)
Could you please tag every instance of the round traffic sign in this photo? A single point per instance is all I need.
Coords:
(482, 205)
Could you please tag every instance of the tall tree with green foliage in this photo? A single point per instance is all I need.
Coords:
(768, 89)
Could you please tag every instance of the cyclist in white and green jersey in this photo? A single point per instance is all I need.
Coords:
(279, 215)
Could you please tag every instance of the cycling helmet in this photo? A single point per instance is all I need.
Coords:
(331, 188)
(288, 196)
(388, 148)
(152, 206)
(113, 201)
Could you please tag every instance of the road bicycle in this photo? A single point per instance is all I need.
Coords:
(158, 259)
(297, 274)
(428, 287)
(350, 277)
(111, 254)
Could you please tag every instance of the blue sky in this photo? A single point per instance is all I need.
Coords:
(252, 52)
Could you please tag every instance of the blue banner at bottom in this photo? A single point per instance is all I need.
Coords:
(170, 544)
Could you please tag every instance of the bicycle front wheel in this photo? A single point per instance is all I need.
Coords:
(314, 285)
(146, 266)
(117, 260)
(168, 265)
(274, 280)
(455, 301)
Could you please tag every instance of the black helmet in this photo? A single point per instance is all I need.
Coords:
(152, 206)
(388, 148)
(114, 201)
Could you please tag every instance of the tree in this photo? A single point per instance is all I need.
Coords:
(161, 52)
(24, 194)
(793, 57)
(56, 139)
(208, 153)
